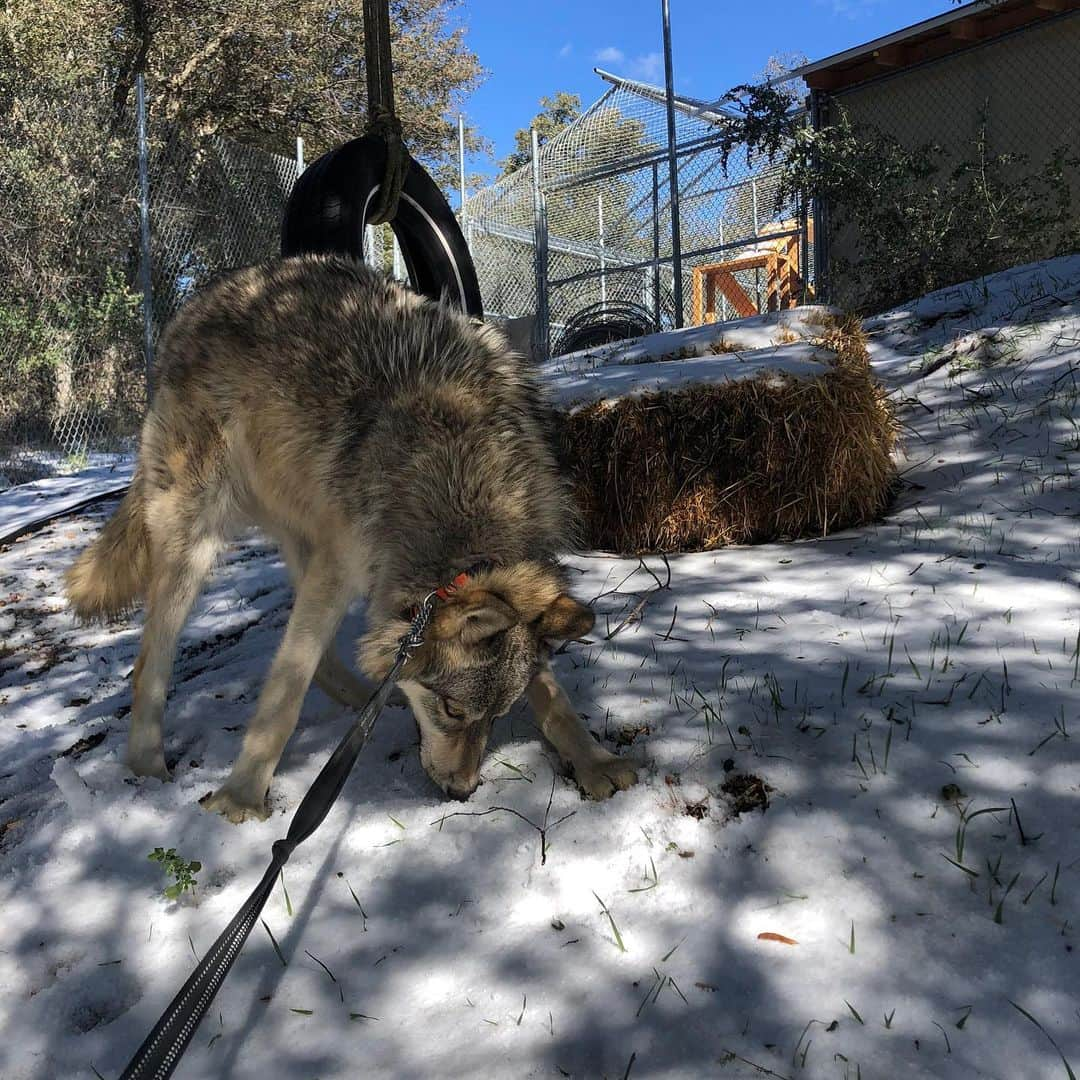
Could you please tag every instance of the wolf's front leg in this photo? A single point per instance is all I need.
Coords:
(598, 772)
(322, 598)
(178, 569)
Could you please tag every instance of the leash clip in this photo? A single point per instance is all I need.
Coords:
(414, 638)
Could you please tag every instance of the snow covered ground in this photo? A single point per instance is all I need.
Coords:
(22, 506)
(888, 685)
(53, 465)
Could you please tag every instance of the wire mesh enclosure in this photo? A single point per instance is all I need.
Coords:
(215, 205)
(73, 353)
(579, 242)
(581, 239)
(70, 351)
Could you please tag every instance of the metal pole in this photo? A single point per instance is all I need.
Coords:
(299, 155)
(804, 248)
(600, 231)
(399, 262)
(819, 104)
(541, 335)
(723, 298)
(461, 165)
(656, 242)
(144, 232)
(673, 166)
(757, 273)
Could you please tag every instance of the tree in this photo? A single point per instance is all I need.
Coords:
(262, 71)
(259, 71)
(555, 114)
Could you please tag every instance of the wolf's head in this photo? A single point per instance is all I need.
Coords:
(483, 645)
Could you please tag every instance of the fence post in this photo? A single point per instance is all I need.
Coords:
(144, 233)
(542, 334)
(399, 263)
(600, 232)
(757, 226)
(819, 108)
(656, 242)
(466, 226)
(723, 298)
(299, 155)
(673, 165)
(804, 248)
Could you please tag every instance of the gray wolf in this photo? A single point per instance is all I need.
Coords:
(386, 443)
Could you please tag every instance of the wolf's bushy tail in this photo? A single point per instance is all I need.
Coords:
(111, 574)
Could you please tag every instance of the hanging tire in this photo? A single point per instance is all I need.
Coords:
(328, 207)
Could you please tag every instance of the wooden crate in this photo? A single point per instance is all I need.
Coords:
(779, 260)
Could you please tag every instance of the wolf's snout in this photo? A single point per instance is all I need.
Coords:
(462, 789)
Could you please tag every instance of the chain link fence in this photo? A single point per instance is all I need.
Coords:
(74, 324)
(215, 205)
(582, 242)
(70, 355)
(585, 242)
(73, 364)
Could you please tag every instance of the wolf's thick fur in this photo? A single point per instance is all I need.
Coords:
(110, 576)
(386, 443)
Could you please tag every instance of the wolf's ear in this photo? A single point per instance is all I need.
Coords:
(566, 618)
(472, 618)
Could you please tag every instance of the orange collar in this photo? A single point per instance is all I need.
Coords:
(444, 592)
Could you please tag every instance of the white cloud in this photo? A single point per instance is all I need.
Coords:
(850, 9)
(567, 49)
(649, 68)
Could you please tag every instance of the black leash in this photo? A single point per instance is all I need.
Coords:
(163, 1047)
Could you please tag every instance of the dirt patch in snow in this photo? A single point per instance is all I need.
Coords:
(746, 792)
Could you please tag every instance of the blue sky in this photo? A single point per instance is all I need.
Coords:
(533, 48)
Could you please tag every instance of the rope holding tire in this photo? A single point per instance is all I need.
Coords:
(374, 179)
(333, 200)
(382, 121)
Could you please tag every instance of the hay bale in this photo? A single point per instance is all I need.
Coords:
(743, 461)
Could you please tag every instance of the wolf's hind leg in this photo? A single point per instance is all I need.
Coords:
(598, 772)
(322, 598)
(179, 564)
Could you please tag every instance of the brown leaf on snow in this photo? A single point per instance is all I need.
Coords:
(768, 935)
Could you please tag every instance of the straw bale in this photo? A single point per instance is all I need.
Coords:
(744, 461)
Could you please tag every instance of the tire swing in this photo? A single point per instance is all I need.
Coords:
(374, 179)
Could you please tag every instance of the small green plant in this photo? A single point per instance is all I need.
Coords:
(181, 870)
(614, 928)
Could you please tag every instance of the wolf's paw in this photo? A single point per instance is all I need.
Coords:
(600, 777)
(237, 808)
(149, 765)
